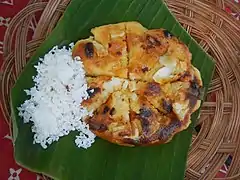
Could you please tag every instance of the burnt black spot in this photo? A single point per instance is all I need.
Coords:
(195, 93)
(93, 91)
(145, 113)
(119, 53)
(145, 69)
(130, 141)
(106, 109)
(152, 41)
(185, 76)
(89, 50)
(144, 140)
(167, 34)
(167, 106)
(97, 126)
(143, 46)
(192, 101)
(154, 88)
(145, 124)
(144, 117)
(163, 134)
(166, 132)
(194, 88)
(194, 84)
(109, 45)
(112, 111)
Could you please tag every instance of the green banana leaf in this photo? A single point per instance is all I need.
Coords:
(63, 160)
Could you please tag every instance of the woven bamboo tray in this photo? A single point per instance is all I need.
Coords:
(216, 32)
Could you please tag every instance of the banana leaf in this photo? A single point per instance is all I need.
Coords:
(63, 160)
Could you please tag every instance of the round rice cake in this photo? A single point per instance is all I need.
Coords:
(142, 85)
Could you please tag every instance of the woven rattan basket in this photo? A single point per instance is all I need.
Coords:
(216, 32)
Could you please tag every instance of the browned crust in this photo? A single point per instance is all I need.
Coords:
(155, 121)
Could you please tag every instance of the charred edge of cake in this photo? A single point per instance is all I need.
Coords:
(144, 141)
(167, 131)
(96, 126)
(131, 141)
(164, 133)
(137, 142)
(93, 91)
(167, 34)
(194, 93)
(89, 50)
(195, 87)
(144, 116)
(192, 101)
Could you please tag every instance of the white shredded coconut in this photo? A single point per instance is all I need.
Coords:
(54, 104)
(162, 73)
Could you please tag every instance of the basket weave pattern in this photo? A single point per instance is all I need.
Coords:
(216, 32)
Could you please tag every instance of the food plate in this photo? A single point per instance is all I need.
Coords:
(63, 160)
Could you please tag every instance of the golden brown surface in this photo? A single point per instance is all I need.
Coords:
(142, 86)
(106, 52)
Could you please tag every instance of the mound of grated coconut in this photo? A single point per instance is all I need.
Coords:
(54, 104)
